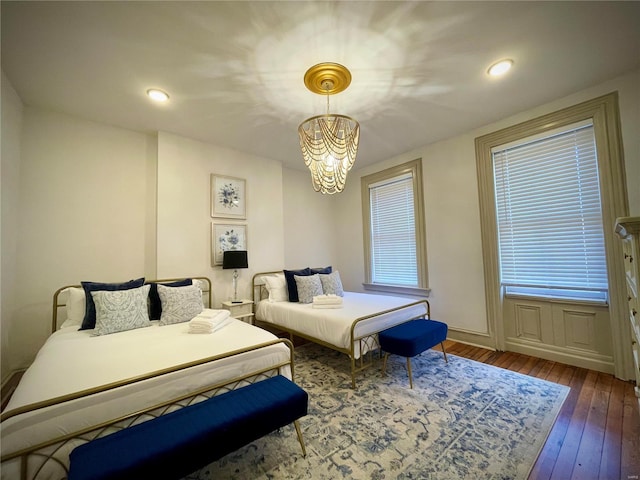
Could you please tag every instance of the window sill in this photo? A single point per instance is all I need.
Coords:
(538, 298)
(416, 291)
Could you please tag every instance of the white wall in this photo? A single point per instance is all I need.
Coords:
(309, 223)
(10, 176)
(452, 209)
(184, 213)
(82, 216)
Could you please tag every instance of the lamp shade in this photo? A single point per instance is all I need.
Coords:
(234, 259)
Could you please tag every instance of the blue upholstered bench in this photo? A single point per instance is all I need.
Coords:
(412, 338)
(176, 444)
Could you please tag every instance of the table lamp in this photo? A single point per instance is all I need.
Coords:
(234, 259)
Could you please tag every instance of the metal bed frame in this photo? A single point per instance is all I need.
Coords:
(369, 341)
(34, 459)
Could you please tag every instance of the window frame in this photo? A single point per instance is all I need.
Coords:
(605, 114)
(414, 168)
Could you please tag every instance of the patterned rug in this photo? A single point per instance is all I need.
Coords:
(463, 419)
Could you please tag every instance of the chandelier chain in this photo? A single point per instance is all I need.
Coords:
(328, 85)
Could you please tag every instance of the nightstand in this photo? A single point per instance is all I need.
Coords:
(242, 310)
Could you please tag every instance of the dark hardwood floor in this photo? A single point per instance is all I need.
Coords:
(596, 434)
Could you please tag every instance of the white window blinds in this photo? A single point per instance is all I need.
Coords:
(393, 232)
(549, 216)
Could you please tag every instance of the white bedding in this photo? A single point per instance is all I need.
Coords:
(73, 360)
(334, 325)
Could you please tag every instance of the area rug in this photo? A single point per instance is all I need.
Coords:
(463, 419)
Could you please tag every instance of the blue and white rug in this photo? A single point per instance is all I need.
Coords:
(462, 420)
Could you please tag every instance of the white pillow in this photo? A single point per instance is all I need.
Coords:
(76, 304)
(277, 287)
(179, 304)
(121, 310)
(331, 284)
(309, 286)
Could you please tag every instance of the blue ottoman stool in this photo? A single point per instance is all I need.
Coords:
(412, 338)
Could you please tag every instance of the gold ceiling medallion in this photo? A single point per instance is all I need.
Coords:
(329, 142)
(337, 76)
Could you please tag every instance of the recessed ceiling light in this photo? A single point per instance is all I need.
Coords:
(500, 68)
(157, 95)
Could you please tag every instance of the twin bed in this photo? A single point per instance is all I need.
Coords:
(81, 386)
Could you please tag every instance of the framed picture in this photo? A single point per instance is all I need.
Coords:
(228, 197)
(224, 237)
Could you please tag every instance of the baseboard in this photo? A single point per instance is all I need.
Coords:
(480, 340)
(599, 363)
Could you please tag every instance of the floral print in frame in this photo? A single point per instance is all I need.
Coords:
(228, 197)
(226, 237)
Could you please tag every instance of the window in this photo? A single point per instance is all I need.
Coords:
(604, 112)
(550, 232)
(394, 238)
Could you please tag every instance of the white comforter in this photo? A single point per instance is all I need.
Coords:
(334, 325)
(72, 360)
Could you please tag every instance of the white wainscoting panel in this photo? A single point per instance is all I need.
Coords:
(579, 329)
(575, 334)
(529, 322)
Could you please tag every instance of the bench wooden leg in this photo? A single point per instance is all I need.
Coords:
(300, 439)
(384, 363)
(444, 352)
(409, 371)
(353, 372)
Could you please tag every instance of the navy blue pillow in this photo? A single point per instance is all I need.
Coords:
(324, 271)
(155, 306)
(291, 282)
(89, 320)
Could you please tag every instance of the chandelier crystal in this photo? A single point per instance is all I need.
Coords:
(329, 142)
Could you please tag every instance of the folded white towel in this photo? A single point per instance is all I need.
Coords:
(219, 326)
(200, 330)
(216, 315)
(209, 313)
(328, 296)
(327, 300)
(209, 321)
(326, 305)
(200, 321)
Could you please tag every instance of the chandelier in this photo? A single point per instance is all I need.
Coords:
(329, 142)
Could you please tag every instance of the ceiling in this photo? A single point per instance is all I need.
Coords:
(234, 70)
